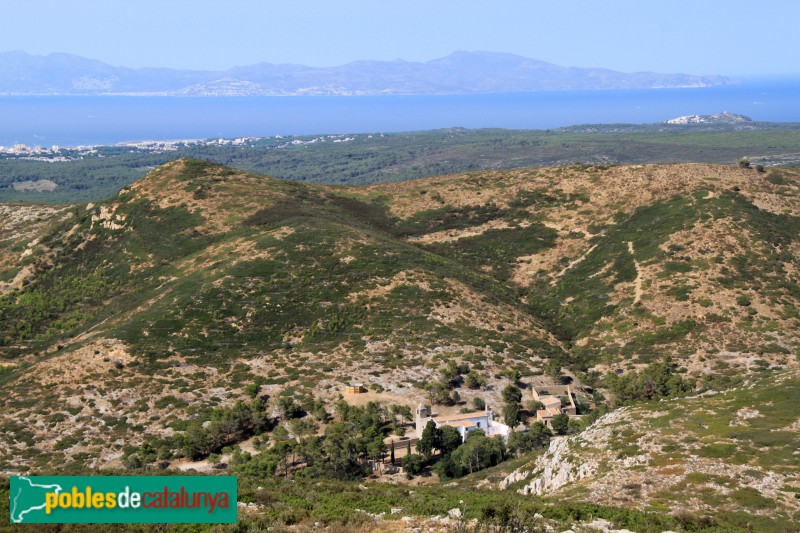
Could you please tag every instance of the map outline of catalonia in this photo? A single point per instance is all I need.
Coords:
(16, 516)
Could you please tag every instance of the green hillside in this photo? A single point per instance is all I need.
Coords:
(204, 305)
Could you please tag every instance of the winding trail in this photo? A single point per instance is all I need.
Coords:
(637, 284)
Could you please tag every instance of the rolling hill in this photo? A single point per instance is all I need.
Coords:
(123, 320)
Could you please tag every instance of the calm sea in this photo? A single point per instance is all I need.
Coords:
(70, 121)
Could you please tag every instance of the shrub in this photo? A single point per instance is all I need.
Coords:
(560, 424)
(777, 179)
(252, 389)
(473, 380)
(717, 451)
(413, 464)
(750, 497)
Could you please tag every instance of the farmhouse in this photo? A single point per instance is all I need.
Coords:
(556, 399)
(463, 422)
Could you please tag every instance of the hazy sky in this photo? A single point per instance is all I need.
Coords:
(733, 37)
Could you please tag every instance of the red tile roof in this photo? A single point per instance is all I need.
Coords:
(460, 416)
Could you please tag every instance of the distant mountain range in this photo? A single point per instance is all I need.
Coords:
(458, 73)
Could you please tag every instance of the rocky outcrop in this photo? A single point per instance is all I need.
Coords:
(695, 452)
(561, 465)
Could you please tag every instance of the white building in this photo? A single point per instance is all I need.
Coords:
(463, 422)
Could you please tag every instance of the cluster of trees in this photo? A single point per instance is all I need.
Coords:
(477, 453)
(537, 437)
(452, 376)
(658, 380)
(146, 453)
(350, 442)
(560, 424)
(347, 450)
(228, 425)
(457, 458)
(56, 304)
(473, 380)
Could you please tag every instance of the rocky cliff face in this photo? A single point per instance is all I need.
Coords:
(560, 466)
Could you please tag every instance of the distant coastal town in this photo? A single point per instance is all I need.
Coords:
(58, 154)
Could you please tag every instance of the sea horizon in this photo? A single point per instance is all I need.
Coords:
(108, 120)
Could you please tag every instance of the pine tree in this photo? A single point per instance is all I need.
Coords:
(430, 440)
(511, 414)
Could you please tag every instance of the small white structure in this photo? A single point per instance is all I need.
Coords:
(463, 422)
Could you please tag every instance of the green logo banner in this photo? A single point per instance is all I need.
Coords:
(122, 499)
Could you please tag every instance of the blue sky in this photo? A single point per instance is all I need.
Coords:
(730, 37)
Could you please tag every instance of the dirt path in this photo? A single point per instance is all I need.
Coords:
(572, 264)
(637, 284)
